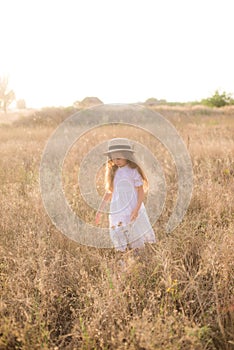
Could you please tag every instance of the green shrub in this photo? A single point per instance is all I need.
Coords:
(219, 100)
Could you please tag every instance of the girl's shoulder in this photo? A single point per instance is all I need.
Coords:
(132, 171)
(126, 170)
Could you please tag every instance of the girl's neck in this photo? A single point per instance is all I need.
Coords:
(123, 166)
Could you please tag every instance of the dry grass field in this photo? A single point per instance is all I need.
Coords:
(179, 294)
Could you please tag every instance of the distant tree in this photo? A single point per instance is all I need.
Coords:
(87, 102)
(218, 100)
(77, 104)
(21, 104)
(151, 101)
(154, 101)
(90, 102)
(6, 96)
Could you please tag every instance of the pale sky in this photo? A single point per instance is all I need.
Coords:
(59, 51)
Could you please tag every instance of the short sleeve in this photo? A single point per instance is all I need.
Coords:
(138, 181)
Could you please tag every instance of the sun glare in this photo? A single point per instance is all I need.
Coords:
(133, 53)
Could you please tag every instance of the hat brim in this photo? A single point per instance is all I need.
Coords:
(118, 150)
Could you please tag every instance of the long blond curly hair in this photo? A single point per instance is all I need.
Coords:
(111, 170)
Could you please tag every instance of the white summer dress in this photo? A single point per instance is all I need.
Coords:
(123, 201)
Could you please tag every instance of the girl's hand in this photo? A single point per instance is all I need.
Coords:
(134, 215)
(97, 218)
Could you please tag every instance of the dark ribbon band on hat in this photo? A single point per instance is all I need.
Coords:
(118, 147)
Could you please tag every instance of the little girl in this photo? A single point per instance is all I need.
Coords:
(124, 179)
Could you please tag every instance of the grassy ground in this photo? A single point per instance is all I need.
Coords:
(179, 294)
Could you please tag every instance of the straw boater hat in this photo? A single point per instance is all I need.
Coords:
(119, 144)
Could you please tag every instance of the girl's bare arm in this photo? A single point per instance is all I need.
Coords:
(140, 198)
(106, 198)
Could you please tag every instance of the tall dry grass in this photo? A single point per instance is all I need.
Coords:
(56, 294)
